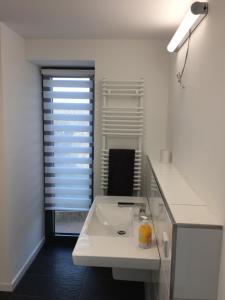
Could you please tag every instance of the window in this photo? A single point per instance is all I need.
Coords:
(68, 139)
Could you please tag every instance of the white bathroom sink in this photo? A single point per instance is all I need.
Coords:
(99, 243)
(108, 219)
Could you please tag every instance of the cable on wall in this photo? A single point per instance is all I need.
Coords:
(180, 74)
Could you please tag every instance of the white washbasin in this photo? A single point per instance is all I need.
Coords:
(108, 219)
(99, 243)
(113, 215)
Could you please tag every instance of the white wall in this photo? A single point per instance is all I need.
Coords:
(4, 236)
(117, 59)
(197, 115)
(21, 153)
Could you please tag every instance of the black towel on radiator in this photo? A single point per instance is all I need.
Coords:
(121, 172)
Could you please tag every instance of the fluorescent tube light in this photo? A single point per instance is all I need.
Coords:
(191, 20)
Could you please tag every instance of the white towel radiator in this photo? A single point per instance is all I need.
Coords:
(122, 124)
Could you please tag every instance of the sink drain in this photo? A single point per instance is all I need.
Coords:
(121, 232)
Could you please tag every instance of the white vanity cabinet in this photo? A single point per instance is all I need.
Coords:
(188, 236)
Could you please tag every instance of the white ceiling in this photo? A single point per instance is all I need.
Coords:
(93, 18)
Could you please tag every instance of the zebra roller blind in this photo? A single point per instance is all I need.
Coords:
(68, 138)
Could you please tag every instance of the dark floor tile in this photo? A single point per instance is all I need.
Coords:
(32, 285)
(54, 265)
(52, 276)
(53, 261)
(23, 297)
(57, 245)
(61, 242)
(4, 295)
(51, 287)
(100, 273)
(97, 289)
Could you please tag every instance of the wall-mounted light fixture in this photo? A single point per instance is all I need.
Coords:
(191, 20)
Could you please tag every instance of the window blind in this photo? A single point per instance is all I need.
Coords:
(68, 138)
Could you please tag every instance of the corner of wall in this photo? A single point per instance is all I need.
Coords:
(21, 155)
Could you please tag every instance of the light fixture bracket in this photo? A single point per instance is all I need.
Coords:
(199, 8)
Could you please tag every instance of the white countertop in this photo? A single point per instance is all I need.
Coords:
(106, 251)
(185, 205)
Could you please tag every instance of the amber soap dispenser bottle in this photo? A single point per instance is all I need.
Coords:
(145, 233)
